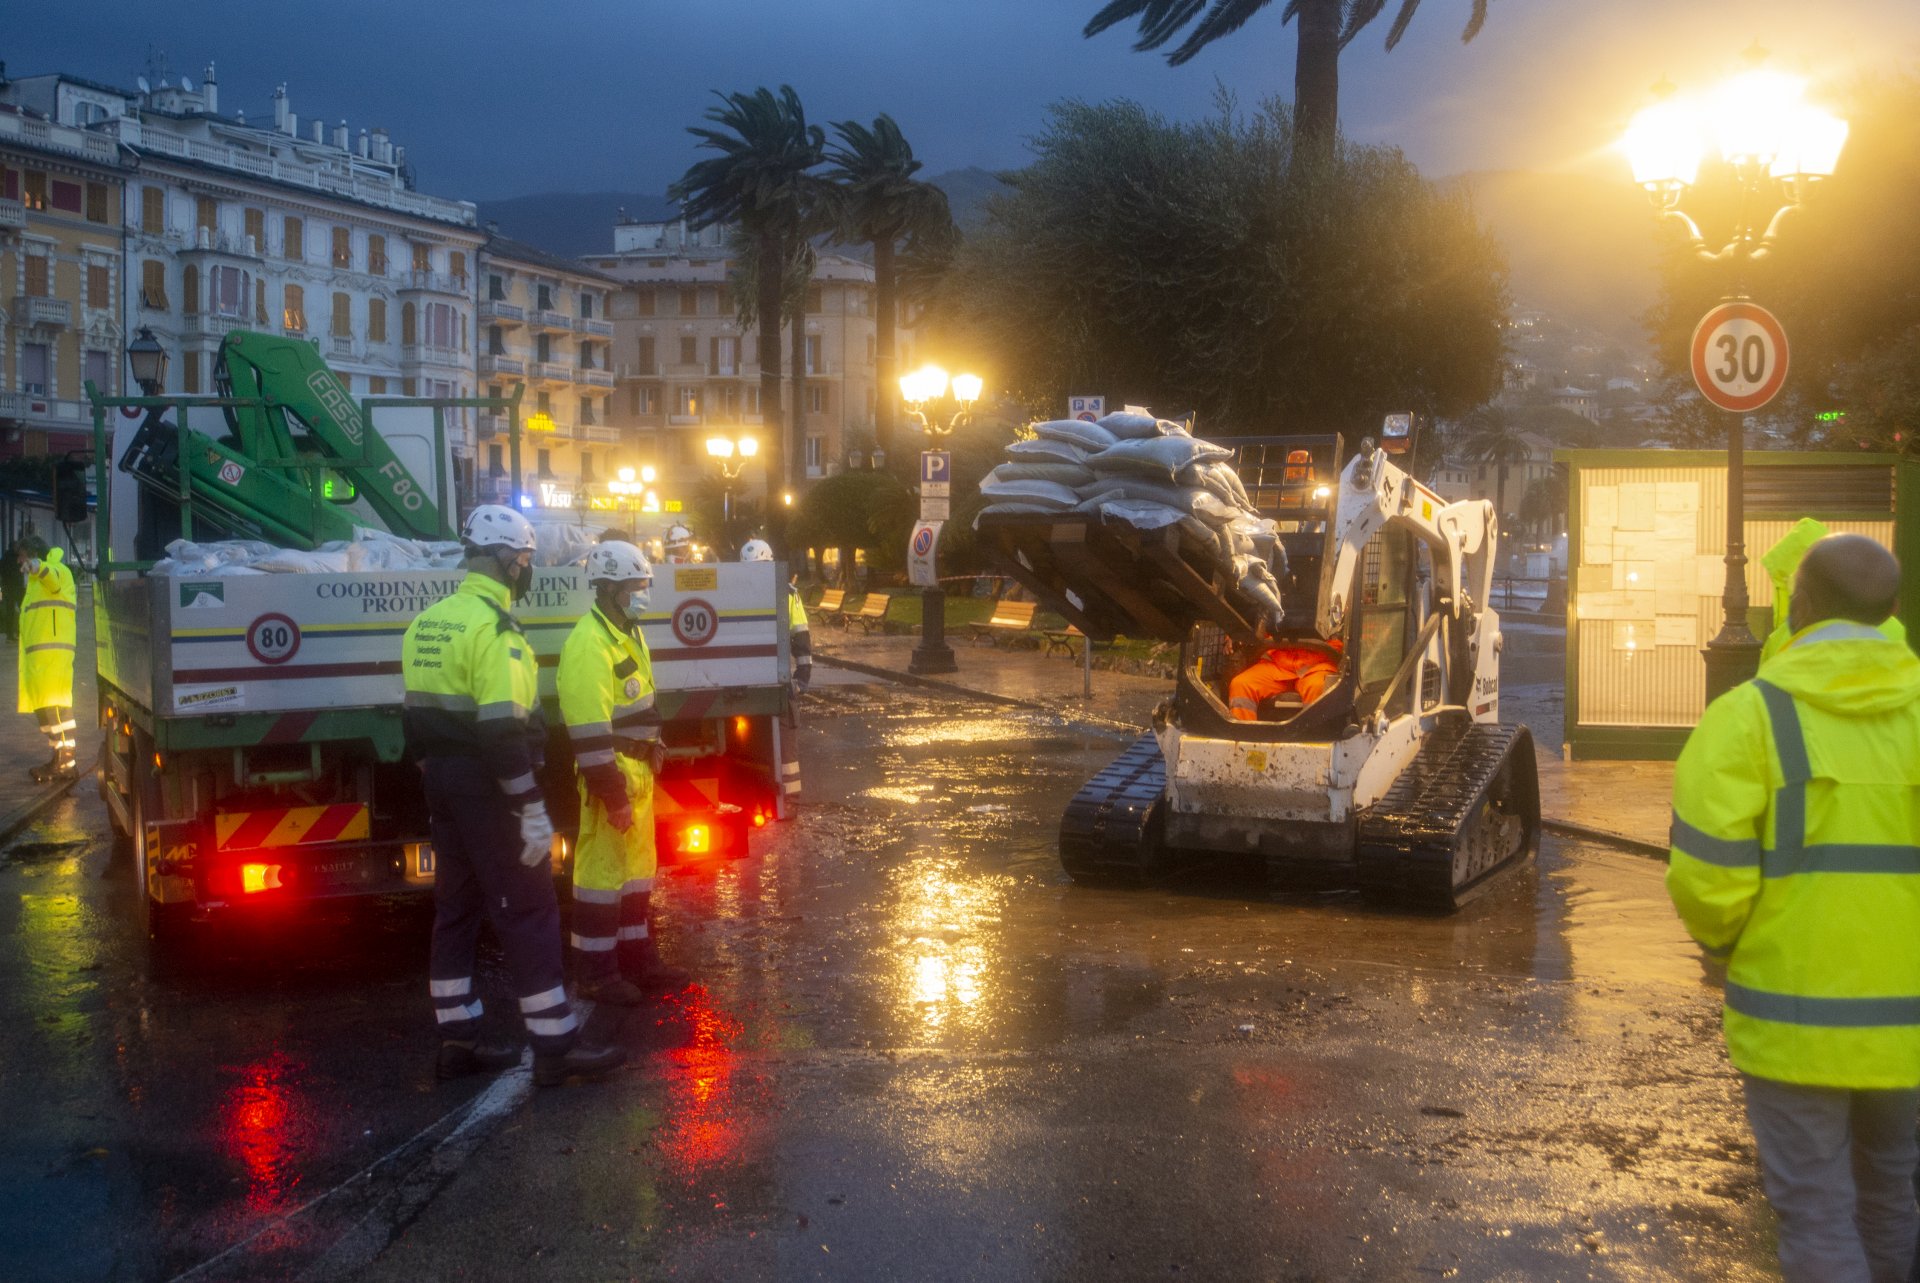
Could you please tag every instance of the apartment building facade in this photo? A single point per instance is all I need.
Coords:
(60, 288)
(544, 329)
(686, 369)
(316, 235)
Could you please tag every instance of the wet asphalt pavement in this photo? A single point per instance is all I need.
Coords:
(915, 1050)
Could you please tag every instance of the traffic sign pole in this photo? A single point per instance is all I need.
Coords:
(933, 655)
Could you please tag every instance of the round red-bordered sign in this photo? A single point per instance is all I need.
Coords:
(273, 639)
(131, 411)
(1739, 356)
(923, 541)
(695, 622)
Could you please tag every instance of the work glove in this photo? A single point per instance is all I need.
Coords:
(621, 816)
(536, 834)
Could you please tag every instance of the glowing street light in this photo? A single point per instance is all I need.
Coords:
(731, 454)
(920, 389)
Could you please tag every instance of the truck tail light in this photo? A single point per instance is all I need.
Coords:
(696, 839)
(255, 878)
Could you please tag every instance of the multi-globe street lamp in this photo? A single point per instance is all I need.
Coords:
(731, 454)
(1775, 147)
(633, 490)
(920, 389)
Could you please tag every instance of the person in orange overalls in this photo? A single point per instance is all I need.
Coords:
(1303, 669)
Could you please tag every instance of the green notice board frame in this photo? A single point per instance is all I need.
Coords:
(1819, 492)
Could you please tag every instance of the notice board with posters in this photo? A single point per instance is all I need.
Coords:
(1646, 549)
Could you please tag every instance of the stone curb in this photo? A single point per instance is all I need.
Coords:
(1567, 827)
(23, 815)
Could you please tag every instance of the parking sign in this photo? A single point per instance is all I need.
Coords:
(1087, 408)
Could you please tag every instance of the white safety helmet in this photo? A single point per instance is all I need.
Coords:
(756, 550)
(678, 538)
(616, 562)
(493, 525)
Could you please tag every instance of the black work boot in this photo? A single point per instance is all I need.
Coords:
(459, 1059)
(643, 964)
(552, 1068)
(614, 990)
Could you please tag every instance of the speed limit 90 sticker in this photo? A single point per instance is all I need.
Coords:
(695, 622)
(273, 639)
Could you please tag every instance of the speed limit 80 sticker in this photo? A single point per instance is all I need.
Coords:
(695, 622)
(273, 639)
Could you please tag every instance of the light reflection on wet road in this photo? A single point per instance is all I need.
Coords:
(917, 1050)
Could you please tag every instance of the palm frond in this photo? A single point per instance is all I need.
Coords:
(1223, 19)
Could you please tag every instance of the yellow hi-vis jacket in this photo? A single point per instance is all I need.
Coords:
(473, 685)
(1796, 855)
(48, 614)
(799, 635)
(606, 699)
(1782, 562)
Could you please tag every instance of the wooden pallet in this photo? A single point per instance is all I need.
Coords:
(1142, 583)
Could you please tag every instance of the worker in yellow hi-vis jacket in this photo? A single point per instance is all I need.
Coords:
(607, 701)
(1796, 857)
(48, 615)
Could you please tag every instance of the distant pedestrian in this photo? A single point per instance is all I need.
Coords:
(800, 646)
(48, 615)
(1796, 857)
(13, 586)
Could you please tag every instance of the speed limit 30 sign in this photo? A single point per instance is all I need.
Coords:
(1739, 356)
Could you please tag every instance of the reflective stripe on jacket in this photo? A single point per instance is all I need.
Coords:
(607, 701)
(1796, 855)
(473, 685)
(49, 613)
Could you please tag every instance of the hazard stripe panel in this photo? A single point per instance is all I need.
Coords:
(291, 826)
(672, 796)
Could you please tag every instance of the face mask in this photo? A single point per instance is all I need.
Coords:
(33, 566)
(639, 601)
(519, 578)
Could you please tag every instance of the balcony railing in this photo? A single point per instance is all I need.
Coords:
(550, 371)
(33, 310)
(205, 240)
(340, 345)
(495, 311)
(12, 213)
(428, 354)
(594, 378)
(599, 433)
(636, 370)
(593, 327)
(13, 405)
(492, 363)
(212, 325)
(547, 319)
(562, 431)
(433, 283)
(486, 426)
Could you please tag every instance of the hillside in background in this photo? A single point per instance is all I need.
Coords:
(1581, 249)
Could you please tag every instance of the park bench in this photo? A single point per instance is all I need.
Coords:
(872, 613)
(832, 606)
(1062, 639)
(1009, 618)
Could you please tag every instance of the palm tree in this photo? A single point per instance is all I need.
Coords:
(1491, 436)
(759, 181)
(1326, 28)
(883, 204)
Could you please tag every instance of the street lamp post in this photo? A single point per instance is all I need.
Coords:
(627, 486)
(1777, 147)
(149, 362)
(919, 389)
(725, 452)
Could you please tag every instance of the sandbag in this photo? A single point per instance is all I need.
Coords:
(1255, 579)
(1162, 457)
(1088, 436)
(1126, 426)
(1067, 474)
(1143, 489)
(1047, 494)
(1144, 515)
(1218, 477)
(556, 543)
(1170, 428)
(1014, 506)
(1042, 449)
(293, 561)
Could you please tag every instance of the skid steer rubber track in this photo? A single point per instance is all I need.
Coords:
(1110, 833)
(1466, 807)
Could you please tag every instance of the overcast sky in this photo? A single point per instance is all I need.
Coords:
(496, 99)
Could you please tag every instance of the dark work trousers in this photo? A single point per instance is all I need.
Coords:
(477, 872)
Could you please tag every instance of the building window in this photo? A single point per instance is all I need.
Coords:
(644, 300)
(689, 302)
(423, 258)
(206, 213)
(542, 298)
(39, 276)
(443, 326)
(586, 356)
(496, 288)
(97, 202)
(586, 306)
(643, 400)
(342, 315)
(293, 315)
(496, 341)
(813, 354)
(689, 401)
(253, 224)
(377, 255)
(376, 385)
(35, 196)
(816, 398)
(816, 452)
(689, 349)
(99, 285)
(190, 290)
(543, 347)
(293, 240)
(99, 369)
(409, 387)
(227, 292)
(816, 302)
(709, 301)
(153, 210)
(34, 360)
(543, 462)
(586, 410)
(750, 399)
(457, 266)
(190, 371)
(543, 402)
(376, 320)
(260, 301)
(342, 247)
(643, 357)
(409, 325)
(496, 461)
(725, 351)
